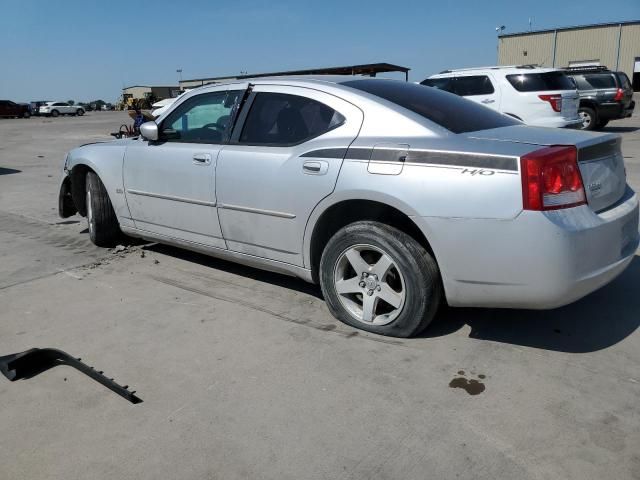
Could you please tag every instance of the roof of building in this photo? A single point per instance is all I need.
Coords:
(574, 27)
(365, 69)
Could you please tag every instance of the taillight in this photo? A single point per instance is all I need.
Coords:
(619, 95)
(551, 179)
(554, 100)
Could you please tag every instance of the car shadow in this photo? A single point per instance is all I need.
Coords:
(273, 278)
(593, 323)
(8, 171)
(598, 321)
(619, 129)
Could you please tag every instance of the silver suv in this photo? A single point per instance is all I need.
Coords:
(393, 196)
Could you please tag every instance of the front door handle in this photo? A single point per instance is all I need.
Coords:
(202, 159)
(315, 167)
(488, 100)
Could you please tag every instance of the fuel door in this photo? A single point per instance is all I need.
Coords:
(388, 158)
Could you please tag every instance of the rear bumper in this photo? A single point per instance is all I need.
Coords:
(612, 111)
(537, 260)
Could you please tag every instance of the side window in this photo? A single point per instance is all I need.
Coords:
(204, 118)
(59, 104)
(474, 85)
(445, 84)
(280, 120)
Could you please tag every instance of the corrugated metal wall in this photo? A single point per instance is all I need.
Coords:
(538, 48)
(588, 44)
(629, 48)
(579, 44)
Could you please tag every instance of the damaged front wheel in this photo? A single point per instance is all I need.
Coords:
(104, 229)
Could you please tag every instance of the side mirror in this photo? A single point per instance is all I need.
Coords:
(149, 130)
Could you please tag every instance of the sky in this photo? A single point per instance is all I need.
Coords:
(87, 50)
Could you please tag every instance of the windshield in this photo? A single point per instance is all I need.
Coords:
(450, 111)
(536, 82)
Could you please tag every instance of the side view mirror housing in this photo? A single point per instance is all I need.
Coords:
(149, 130)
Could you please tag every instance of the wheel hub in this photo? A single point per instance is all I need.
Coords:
(369, 284)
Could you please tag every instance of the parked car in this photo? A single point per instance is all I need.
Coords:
(35, 106)
(392, 196)
(162, 106)
(543, 97)
(13, 109)
(55, 109)
(604, 95)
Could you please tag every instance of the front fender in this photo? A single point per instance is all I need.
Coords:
(106, 160)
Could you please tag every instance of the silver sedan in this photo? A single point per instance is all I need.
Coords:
(394, 197)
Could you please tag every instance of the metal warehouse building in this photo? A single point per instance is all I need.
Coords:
(615, 45)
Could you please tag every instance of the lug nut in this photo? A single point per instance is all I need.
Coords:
(379, 288)
(362, 284)
(370, 292)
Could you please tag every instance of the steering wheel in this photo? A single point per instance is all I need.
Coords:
(218, 127)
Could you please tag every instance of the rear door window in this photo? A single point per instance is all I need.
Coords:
(600, 80)
(445, 84)
(536, 82)
(279, 119)
(469, 86)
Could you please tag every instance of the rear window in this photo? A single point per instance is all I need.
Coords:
(536, 82)
(469, 86)
(594, 81)
(454, 113)
(445, 84)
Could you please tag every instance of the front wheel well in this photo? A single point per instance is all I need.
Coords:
(350, 211)
(79, 187)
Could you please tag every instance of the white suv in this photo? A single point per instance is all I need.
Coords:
(60, 108)
(544, 97)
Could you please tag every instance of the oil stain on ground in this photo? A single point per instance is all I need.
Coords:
(471, 385)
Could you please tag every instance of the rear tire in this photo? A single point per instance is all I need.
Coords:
(589, 118)
(104, 229)
(26, 115)
(55, 113)
(378, 278)
(79, 112)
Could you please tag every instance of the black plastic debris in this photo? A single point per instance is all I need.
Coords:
(30, 363)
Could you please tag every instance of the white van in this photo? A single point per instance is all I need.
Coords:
(544, 97)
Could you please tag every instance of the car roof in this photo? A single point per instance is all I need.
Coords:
(506, 70)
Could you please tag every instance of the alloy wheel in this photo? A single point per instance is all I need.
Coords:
(369, 284)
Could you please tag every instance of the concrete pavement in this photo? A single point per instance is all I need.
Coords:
(245, 374)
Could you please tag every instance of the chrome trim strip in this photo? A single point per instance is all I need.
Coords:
(259, 211)
(171, 197)
(243, 258)
(433, 157)
(137, 220)
(261, 246)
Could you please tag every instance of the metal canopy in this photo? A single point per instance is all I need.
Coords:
(370, 69)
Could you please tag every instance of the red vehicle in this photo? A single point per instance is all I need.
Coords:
(11, 109)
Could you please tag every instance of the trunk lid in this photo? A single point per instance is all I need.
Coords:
(599, 157)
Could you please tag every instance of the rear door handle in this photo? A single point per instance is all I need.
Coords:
(488, 100)
(202, 159)
(315, 167)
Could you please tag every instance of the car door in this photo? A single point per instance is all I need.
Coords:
(478, 88)
(283, 159)
(170, 183)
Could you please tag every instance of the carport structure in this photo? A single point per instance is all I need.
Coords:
(368, 69)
